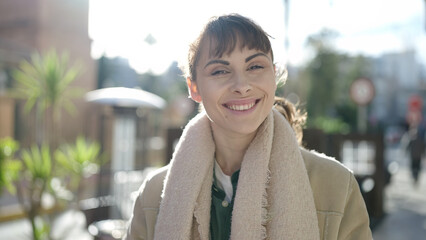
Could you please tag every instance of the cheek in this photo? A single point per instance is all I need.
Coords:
(208, 93)
(274, 84)
(270, 85)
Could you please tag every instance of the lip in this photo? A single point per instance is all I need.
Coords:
(242, 106)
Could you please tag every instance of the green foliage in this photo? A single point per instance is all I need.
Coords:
(46, 80)
(37, 169)
(9, 167)
(328, 77)
(323, 72)
(42, 229)
(38, 163)
(331, 125)
(347, 112)
(80, 159)
(324, 78)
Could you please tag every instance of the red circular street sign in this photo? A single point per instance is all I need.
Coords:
(362, 91)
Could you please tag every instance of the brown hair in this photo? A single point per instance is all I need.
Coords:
(223, 33)
(294, 116)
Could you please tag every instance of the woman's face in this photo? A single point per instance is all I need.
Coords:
(237, 90)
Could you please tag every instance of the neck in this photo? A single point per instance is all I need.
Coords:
(230, 149)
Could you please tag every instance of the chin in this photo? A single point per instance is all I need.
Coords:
(245, 130)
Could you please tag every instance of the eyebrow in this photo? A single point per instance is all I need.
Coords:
(214, 61)
(256, 55)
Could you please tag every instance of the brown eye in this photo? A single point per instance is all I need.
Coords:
(254, 67)
(219, 72)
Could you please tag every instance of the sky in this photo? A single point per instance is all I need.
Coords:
(121, 27)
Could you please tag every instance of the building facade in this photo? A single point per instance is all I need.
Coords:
(30, 26)
(397, 77)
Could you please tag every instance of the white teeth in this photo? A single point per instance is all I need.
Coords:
(241, 107)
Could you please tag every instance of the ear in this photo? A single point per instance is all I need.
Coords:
(193, 90)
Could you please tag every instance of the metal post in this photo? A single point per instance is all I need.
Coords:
(286, 19)
(362, 118)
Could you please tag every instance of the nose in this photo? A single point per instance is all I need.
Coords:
(241, 84)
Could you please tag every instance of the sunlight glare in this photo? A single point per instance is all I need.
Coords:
(120, 27)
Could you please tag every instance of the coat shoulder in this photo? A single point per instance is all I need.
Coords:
(330, 180)
(152, 188)
(319, 163)
(341, 210)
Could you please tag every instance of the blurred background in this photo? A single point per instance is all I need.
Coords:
(92, 99)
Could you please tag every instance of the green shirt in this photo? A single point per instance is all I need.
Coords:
(221, 210)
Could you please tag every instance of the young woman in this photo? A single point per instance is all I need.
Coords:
(238, 171)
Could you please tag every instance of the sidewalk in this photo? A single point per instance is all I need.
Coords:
(70, 225)
(404, 203)
(405, 207)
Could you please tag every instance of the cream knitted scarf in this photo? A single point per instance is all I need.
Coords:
(273, 200)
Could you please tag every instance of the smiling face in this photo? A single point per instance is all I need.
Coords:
(236, 89)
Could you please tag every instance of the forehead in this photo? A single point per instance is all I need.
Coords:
(213, 48)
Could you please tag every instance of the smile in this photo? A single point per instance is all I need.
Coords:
(241, 107)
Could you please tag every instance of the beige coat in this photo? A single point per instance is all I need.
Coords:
(301, 195)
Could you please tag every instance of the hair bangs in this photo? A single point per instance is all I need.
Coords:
(223, 34)
(226, 32)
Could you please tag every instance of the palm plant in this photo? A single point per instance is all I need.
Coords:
(81, 159)
(9, 167)
(36, 178)
(44, 82)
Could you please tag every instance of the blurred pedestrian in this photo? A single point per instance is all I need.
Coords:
(416, 149)
(238, 171)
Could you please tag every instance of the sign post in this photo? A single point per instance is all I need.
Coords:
(362, 92)
(414, 111)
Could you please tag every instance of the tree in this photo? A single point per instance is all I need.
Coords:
(323, 71)
(328, 76)
(44, 82)
(351, 69)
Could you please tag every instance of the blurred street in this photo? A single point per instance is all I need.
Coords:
(94, 96)
(405, 205)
